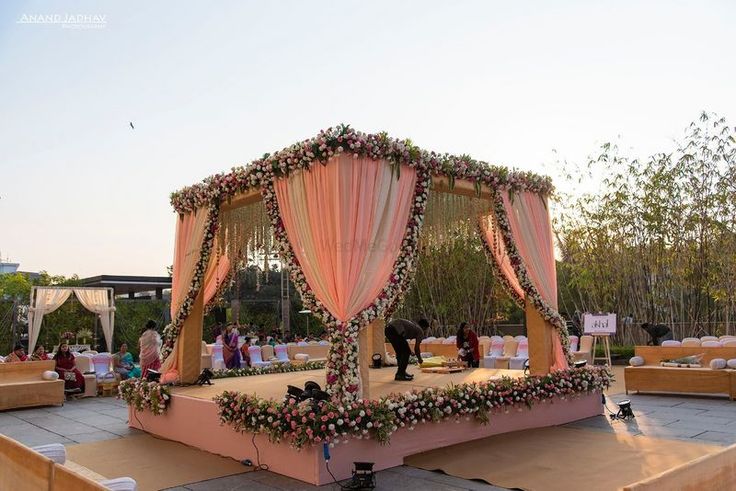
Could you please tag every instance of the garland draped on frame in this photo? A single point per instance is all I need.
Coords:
(548, 313)
(234, 239)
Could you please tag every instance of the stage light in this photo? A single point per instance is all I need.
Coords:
(377, 360)
(580, 363)
(205, 378)
(293, 392)
(624, 410)
(363, 476)
(153, 376)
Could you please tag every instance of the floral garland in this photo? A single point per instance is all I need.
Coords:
(332, 141)
(278, 368)
(305, 423)
(547, 312)
(142, 394)
(343, 376)
(497, 273)
(172, 331)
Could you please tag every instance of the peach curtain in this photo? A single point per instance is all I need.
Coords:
(498, 249)
(532, 232)
(217, 272)
(345, 221)
(188, 245)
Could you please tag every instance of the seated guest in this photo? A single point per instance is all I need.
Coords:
(67, 369)
(150, 349)
(467, 343)
(245, 356)
(122, 362)
(18, 354)
(39, 354)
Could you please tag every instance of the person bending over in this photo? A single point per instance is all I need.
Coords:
(398, 331)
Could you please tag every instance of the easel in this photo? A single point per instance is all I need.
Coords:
(606, 348)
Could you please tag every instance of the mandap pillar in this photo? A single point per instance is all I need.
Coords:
(539, 333)
(190, 342)
(370, 341)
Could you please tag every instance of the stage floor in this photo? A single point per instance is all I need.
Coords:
(382, 382)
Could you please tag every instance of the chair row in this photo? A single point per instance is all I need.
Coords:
(267, 355)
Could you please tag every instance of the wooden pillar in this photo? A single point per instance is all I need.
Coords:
(190, 342)
(378, 338)
(540, 341)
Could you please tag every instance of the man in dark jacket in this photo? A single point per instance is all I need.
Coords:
(398, 331)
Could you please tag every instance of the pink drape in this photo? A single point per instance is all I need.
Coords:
(217, 272)
(345, 221)
(498, 251)
(187, 247)
(532, 232)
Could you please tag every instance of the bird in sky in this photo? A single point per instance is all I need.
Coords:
(131, 125)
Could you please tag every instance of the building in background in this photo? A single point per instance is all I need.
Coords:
(135, 287)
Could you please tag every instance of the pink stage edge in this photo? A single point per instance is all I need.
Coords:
(195, 422)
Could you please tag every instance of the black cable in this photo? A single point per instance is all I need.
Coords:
(258, 466)
(342, 487)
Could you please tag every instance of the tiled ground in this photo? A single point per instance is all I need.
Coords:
(707, 420)
(77, 421)
(697, 419)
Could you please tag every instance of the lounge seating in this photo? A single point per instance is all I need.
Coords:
(651, 377)
(206, 357)
(708, 338)
(22, 385)
(102, 363)
(710, 344)
(315, 352)
(267, 352)
(501, 361)
(690, 342)
(44, 469)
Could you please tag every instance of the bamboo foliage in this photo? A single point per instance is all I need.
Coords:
(658, 240)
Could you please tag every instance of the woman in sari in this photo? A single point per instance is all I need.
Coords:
(67, 369)
(122, 362)
(39, 354)
(230, 352)
(150, 349)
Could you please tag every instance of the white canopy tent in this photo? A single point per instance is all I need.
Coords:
(46, 299)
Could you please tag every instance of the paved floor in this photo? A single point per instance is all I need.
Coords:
(698, 419)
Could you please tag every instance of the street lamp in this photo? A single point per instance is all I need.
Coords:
(307, 312)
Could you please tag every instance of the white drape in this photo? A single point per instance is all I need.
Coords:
(98, 301)
(47, 300)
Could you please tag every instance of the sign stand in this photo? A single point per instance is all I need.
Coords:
(605, 338)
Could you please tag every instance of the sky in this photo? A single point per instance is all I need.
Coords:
(210, 85)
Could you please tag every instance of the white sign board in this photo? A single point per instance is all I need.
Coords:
(599, 323)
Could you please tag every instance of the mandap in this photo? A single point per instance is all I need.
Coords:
(347, 212)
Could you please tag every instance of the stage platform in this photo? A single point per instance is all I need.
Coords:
(192, 419)
(382, 382)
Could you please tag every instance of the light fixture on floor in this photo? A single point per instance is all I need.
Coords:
(205, 378)
(377, 360)
(363, 477)
(153, 376)
(624, 410)
(580, 363)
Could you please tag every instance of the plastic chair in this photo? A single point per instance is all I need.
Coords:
(519, 338)
(508, 336)
(691, 343)
(450, 340)
(708, 338)
(522, 354)
(282, 353)
(574, 340)
(85, 365)
(102, 363)
(671, 343)
(267, 352)
(430, 339)
(489, 361)
(586, 349)
(218, 361)
(729, 343)
(255, 358)
(324, 343)
(53, 451)
(302, 343)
